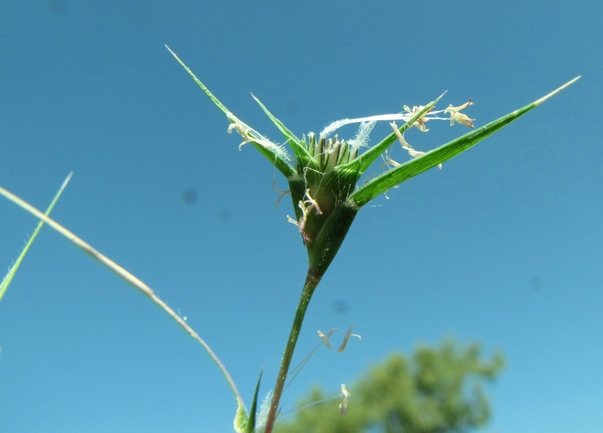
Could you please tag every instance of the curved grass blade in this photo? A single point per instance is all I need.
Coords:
(130, 279)
(13, 270)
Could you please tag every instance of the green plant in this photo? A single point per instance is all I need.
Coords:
(323, 174)
(323, 178)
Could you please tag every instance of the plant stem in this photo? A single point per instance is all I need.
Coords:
(312, 280)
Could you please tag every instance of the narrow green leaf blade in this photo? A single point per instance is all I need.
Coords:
(254, 405)
(300, 151)
(417, 166)
(13, 270)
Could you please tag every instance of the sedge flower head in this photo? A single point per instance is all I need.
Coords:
(325, 169)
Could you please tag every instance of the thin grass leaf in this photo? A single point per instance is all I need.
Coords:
(13, 270)
(210, 95)
(416, 166)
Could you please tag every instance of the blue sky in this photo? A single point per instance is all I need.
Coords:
(503, 246)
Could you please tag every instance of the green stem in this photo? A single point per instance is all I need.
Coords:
(312, 280)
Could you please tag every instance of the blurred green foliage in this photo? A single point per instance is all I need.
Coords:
(436, 390)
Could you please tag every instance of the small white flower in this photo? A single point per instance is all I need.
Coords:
(421, 122)
(457, 116)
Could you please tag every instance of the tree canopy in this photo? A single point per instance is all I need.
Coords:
(436, 390)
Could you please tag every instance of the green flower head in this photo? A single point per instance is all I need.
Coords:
(323, 170)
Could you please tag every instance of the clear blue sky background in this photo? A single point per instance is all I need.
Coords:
(503, 246)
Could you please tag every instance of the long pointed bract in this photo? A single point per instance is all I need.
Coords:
(273, 153)
(416, 166)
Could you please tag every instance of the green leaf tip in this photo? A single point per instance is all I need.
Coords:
(244, 423)
(254, 405)
(210, 95)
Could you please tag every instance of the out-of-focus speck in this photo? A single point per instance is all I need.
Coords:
(340, 306)
(536, 283)
(56, 6)
(223, 215)
(189, 196)
(441, 237)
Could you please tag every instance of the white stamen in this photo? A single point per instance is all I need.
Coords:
(264, 409)
(251, 135)
(406, 146)
(433, 115)
(325, 338)
(347, 336)
(362, 136)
